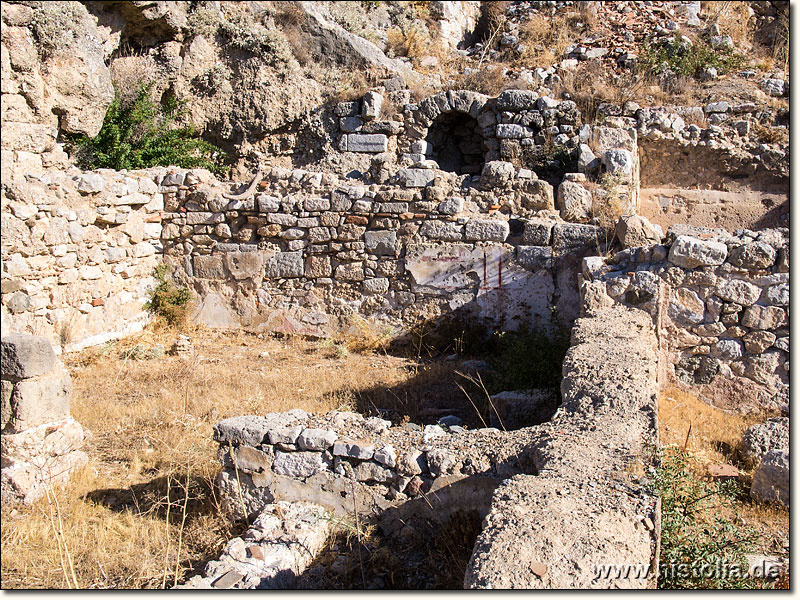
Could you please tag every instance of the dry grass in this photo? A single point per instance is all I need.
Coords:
(715, 438)
(151, 429)
(715, 434)
(733, 19)
(546, 38)
(771, 135)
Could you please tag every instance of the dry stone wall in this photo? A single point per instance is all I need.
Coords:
(305, 251)
(343, 460)
(721, 304)
(583, 461)
(78, 250)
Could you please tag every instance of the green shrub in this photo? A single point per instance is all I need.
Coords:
(142, 134)
(694, 533)
(688, 59)
(168, 301)
(524, 360)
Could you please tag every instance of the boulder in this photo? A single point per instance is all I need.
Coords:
(765, 437)
(771, 478)
(635, 231)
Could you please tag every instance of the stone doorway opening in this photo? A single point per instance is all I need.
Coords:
(457, 143)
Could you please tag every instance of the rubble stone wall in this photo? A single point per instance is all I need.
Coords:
(78, 250)
(303, 251)
(583, 507)
(720, 302)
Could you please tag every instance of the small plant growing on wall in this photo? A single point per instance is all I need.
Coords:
(143, 133)
(168, 301)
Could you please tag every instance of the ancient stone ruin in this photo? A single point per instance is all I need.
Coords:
(41, 442)
(658, 235)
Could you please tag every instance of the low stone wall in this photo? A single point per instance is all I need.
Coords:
(79, 249)
(302, 252)
(720, 302)
(345, 462)
(40, 443)
(590, 502)
(279, 545)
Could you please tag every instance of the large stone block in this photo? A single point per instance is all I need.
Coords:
(763, 317)
(753, 256)
(517, 100)
(490, 230)
(535, 258)
(285, 265)
(762, 438)
(23, 356)
(209, 267)
(39, 400)
(538, 233)
(574, 238)
(635, 231)
(574, 201)
(244, 265)
(771, 478)
(690, 252)
(381, 242)
(442, 230)
(366, 142)
(513, 131)
(415, 178)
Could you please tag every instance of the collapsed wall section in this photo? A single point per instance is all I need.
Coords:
(589, 504)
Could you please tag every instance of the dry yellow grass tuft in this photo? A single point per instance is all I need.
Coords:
(151, 433)
(715, 437)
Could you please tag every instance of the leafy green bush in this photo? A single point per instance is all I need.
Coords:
(694, 533)
(142, 134)
(689, 59)
(168, 300)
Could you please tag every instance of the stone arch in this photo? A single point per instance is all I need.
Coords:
(456, 143)
(457, 129)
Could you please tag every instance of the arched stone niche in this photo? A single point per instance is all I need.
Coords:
(458, 127)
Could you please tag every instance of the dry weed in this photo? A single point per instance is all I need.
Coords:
(715, 434)
(770, 135)
(151, 433)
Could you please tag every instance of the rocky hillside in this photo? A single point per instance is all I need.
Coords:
(256, 76)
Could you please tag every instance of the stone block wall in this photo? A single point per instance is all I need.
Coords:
(78, 250)
(721, 303)
(504, 127)
(340, 460)
(307, 250)
(40, 444)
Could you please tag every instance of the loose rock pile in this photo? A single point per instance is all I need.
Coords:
(40, 441)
